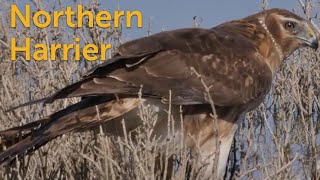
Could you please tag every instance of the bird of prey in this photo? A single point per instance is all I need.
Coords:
(226, 70)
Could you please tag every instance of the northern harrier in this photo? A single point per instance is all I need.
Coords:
(236, 61)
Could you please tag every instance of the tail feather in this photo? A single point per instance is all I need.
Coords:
(27, 104)
(82, 115)
(24, 146)
(13, 135)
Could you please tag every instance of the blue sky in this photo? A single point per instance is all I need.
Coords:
(173, 14)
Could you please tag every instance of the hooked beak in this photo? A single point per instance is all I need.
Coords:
(312, 42)
(309, 38)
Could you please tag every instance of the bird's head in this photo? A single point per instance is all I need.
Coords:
(288, 31)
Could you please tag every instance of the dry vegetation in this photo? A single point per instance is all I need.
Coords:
(279, 140)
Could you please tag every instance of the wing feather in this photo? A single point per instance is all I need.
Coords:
(227, 62)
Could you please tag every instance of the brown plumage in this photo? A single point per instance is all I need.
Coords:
(236, 59)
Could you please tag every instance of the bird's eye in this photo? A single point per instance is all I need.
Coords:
(289, 25)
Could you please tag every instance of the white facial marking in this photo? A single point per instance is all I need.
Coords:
(288, 19)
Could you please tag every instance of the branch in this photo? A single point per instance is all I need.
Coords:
(303, 6)
(215, 123)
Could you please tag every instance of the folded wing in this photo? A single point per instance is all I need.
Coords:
(234, 71)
